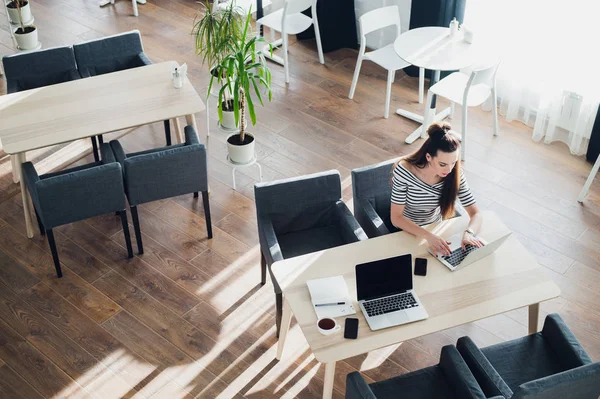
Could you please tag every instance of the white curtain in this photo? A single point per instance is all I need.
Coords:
(387, 35)
(548, 78)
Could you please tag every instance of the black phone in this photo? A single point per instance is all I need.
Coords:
(420, 267)
(351, 328)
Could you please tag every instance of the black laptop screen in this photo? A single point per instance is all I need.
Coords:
(384, 277)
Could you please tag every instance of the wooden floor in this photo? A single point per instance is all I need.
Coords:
(188, 318)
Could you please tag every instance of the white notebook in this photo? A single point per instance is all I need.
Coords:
(330, 290)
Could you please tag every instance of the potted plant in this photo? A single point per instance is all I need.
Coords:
(246, 73)
(218, 24)
(13, 11)
(25, 35)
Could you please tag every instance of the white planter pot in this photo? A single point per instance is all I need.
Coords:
(216, 88)
(27, 41)
(241, 154)
(228, 120)
(13, 15)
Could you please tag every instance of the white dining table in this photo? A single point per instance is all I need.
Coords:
(432, 48)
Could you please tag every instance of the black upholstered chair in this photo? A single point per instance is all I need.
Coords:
(164, 173)
(112, 54)
(77, 194)
(35, 69)
(301, 215)
(450, 379)
(550, 364)
(372, 193)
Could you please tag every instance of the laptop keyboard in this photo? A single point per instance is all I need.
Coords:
(458, 255)
(390, 304)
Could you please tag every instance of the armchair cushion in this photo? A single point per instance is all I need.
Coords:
(581, 383)
(302, 242)
(523, 360)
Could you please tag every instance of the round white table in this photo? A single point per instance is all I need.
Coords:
(432, 48)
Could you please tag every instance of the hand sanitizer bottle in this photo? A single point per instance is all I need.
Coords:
(453, 27)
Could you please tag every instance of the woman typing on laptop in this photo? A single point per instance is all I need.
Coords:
(425, 186)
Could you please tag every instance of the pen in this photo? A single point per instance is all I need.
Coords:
(330, 304)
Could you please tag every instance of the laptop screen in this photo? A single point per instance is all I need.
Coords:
(384, 277)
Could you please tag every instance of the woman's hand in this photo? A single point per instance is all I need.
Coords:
(470, 239)
(438, 245)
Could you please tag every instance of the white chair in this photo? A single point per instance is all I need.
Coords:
(290, 21)
(469, 87)
(385, 57)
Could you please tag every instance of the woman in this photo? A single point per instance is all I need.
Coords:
(425, 186)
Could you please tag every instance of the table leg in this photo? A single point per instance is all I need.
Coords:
(21, 159)
(329, 376)
(534, 316)
(422, 131)
(588, 182)
(191, 120)
(286, 317)
(259, 14)
(16, 168)
(178, 132)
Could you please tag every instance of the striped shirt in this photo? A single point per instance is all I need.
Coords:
(421, 200)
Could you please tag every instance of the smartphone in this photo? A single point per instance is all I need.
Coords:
(420, 267)
(351, 328)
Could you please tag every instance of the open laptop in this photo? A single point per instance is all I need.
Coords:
(459, 258)
(385, 292)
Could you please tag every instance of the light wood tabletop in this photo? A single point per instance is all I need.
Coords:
(508, 279)
(88, 107)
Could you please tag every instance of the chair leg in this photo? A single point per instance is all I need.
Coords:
(100, 139)
(279, 311)
(451, 109)
(207, 213)
(123, 214)
(167, 124)
(136, 229)
(427, 113)
(463, 147)
(388, 93)
(421, 84)
(495, 111)
(263, 269)
(286, 64)
(95, 149)
(52, 244)
(135, 8)
(40, 225)
(317, 34)
(355, 78)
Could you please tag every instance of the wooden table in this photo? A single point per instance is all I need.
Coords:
(508, 279)
(88, 107)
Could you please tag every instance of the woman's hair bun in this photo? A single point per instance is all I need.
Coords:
(437, 130)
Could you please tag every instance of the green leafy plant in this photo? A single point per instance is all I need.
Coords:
(246, 71)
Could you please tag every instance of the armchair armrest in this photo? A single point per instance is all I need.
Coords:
(357, 387)
(12, 86)
(351, 230)
(191, 136)
(580, 382)
(268, 241)
(142, 59)
(107, 154)
(486, 375)
(118, 152)
(369, 219)
(81, 194)
(31, 177)
(563, 342)
(458, 375)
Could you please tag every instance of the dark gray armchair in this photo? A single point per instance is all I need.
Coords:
(42, 68)
(112, 54)
(164, 173)
(450, 379)
(372, 193)
(301, 215)
(550, 364)
(76, 194)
